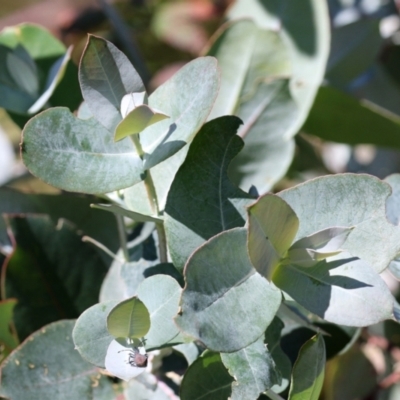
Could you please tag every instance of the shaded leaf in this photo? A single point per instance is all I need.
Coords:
(160, 294)
(253, 369)
(308, 371)
(129, 319)
(90, 334)
(120, 210)
(146, 387)
(190, 351)
(78, 155)
(59, 372)
(271, 230)
(202, 201)
(206, 378)
(357, 201)
(8, 338)
(106, 76)
(343, 291)
(226, 304)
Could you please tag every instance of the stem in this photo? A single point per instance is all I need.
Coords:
(272, 395)
(122, 236)
(102, 247)
(152, 196)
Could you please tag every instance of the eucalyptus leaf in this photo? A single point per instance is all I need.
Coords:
(63, 151)
(202, 201)
(346, 200)
(393, 201)
(308, 371)
(120, 210)
(160, 294)
(59, 372)
(137, 120)
(90, 334)
(271, 230)
(253, 369)
(206, 378)
(106, 76)
(8, 338)
(226, 304)
(129, 319)
(344, 291)
(189, 350)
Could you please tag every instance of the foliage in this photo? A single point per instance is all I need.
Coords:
(256, 290)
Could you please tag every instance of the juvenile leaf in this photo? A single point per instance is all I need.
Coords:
(253, 369)
(343, 291)
(120, 210)
(59, 372)
(160, 294)
(348, 200)
(90, 334)
(308, 371)
(206, 378)
(129, 319)
(272, 228)
(226, 304)
(146, 387)
(78, 155)
(393, 201)
(189, 350)
(202, 201)
(106, 76)
(8, 337)
(118, 359)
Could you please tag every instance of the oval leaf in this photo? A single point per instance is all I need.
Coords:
(226, 304)
(129, 319)
(78, 155)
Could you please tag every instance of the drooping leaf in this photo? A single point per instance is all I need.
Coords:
(308, 371)
(90, 334)
(187, 98)
(160, 294)
(119, 359)
(202, 201)
(120, 210)
(344, 291)
(271, 230)
(282, 362)
(338, 117)
(253, 369)
(50, 281)
(137, 120)
(357, 201)
(48, 357)
(78, 155)
(226, 304)
(106, 76)
(129, 319)
(206, 378)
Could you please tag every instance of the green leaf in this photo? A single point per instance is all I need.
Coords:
(304, 29)
(37, 40)
(393, 201)
(78, 155)
(160, 294)
(271, 230)
(251, 59)
(253, 369)
(202, 201)
(137, 120)
(49, 357)
(187, 98)
(90, 334)
(308, 371)
(357, 201)
(106, 76)
(8, 338)
(50, 281)
(338, 117)
(129, 319)
(56, 73)
(343, 291)
(282, 362)
(308, 251)
(206, 378)
(146, 387)
(226, 304)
